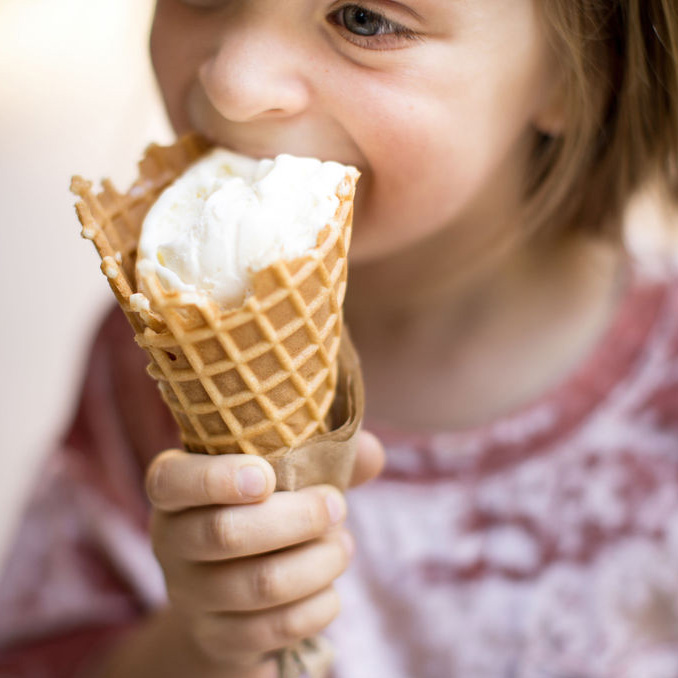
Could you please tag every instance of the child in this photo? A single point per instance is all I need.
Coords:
(521, 372)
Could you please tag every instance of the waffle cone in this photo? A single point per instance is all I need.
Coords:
(258, 379)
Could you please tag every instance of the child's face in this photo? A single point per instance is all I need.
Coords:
(435, 101)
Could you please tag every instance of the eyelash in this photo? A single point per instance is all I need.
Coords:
(394, 34)
(397, 32)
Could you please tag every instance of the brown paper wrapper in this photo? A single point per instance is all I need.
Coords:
(327, 458)
(324, 459)
(315, 444)
(311, 658)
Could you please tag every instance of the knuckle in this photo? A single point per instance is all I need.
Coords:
(213, 484)
(267, 583)
(224, 534)
(333, 506)
(313, 515)
(290, 625)
(300, 621)
(331, 607)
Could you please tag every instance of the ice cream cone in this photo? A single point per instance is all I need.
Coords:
(258, 379)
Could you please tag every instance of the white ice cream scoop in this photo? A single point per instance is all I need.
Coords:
(229, 216)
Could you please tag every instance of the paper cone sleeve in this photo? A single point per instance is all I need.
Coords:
(277, 377)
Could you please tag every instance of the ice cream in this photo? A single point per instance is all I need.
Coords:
(258, 376)
(229, 216)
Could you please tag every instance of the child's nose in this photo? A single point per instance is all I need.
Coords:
(253, 76)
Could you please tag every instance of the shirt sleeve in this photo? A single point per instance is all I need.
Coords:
(81, 567)
(59, 656)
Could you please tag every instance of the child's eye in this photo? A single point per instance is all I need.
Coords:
(367, 28)
(361, 21)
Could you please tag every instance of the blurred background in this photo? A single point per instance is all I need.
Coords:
(76, 97)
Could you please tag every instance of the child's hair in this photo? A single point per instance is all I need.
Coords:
(619, 61)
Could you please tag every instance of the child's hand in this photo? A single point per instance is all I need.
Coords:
(249, 571)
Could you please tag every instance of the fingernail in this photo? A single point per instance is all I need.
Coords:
(251, 481)
(335, 508)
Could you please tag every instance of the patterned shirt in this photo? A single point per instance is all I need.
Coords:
(544, 545)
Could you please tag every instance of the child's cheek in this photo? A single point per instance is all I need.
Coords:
(178, 46)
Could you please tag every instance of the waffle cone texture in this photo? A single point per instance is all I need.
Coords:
(258, 379)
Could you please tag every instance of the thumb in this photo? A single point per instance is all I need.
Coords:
(370, 459)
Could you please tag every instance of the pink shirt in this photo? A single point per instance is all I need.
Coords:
(542, 546)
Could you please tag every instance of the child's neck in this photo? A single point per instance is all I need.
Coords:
(482, 345)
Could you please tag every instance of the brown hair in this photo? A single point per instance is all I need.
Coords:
(619, 61)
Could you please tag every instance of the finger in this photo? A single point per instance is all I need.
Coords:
(221, 533)
(223, 635)
(261, 582)
(177, 480)
(370, 459)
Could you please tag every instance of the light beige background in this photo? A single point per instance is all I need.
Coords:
(76, 96)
